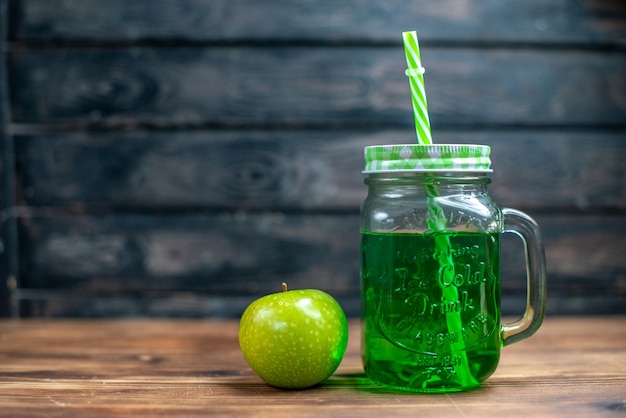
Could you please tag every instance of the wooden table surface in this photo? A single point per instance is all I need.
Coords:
(89, 368)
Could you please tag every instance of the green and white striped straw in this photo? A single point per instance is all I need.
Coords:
(415, 72)
(437, 222)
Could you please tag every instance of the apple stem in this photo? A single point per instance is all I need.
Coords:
(284, 286)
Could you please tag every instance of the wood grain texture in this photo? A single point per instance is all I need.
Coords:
(300, 170)
(175, 158)
(246, 255)
(562, 21)
(321, 86)
(572, 367)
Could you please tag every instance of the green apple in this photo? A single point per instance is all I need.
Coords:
(294, 339)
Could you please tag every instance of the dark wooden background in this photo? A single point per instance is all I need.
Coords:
(183, 157)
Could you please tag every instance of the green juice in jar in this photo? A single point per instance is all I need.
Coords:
(430, 309)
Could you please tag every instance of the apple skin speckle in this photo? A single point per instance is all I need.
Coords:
(294, 339)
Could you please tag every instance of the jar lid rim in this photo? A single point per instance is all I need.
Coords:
(427, 158)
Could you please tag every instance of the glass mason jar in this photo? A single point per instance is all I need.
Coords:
(430, 268)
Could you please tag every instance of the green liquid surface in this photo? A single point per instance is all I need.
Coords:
(430, 309)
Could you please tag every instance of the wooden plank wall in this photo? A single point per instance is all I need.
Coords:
(182, 157)
(7, 222)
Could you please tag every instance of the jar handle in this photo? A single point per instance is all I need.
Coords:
(526, 228)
